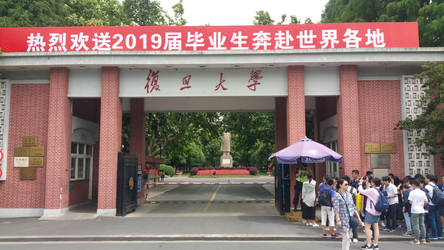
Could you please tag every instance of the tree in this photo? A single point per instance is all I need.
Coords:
(165, 131)
(182, 138)
(191, 155)
(262, 18)
(144, 12)
(308, 21)
(34, 13)
(178, 10)
(42, 13)
(283, 18)
(252, 136)
(431, 24)
(432, 119)
(95, 13)
(294, 20)
(151, 13)
(212, 152)
(429, 15)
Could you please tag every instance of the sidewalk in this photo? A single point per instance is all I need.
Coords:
(166, 228)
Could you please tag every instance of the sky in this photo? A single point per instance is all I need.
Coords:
(242, 12)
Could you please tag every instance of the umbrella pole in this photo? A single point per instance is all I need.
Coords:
(283, 186)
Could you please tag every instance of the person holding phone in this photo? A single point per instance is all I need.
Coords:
(371, 217)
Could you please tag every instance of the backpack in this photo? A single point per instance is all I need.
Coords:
(405, 200)
(382, 203)
(354, 196)
(324, 197)
(438, 196)
(428, 197)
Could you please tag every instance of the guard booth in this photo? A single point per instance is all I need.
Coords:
(126, 201)
(282, 188)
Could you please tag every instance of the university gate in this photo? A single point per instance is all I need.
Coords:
(68, 88)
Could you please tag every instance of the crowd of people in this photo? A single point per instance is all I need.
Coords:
(415, 203)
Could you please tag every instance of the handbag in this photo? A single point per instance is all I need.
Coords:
(352, 221)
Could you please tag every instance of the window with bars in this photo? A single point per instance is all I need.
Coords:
(81, 161)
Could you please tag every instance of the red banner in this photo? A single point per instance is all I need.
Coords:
(210, 38)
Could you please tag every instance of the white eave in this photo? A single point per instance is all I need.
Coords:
(227, 59)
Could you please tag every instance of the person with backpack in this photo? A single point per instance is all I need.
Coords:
(324, 182)
(435, 202)
(406, 207)
(418, 200)
(375, 204)
(326, 195)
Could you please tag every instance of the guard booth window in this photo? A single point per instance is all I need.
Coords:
(332, 167)
(81, 161)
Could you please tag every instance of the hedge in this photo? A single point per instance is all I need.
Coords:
(252, 170)
(168, 170)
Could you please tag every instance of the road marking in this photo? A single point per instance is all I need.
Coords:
(211, 200)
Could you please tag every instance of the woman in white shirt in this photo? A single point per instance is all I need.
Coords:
(308, 201)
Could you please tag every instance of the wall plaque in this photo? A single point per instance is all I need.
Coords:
(372, 148)
(36, 161)
(28, 174)
(22, 151)
(29, 141)
(37, 151)
(380, 161)
(388, 148)
(21, 162)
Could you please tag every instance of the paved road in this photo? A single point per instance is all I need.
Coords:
(284, 245)
(211, 200)
(178, 212)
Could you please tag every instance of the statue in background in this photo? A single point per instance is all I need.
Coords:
(226, 160)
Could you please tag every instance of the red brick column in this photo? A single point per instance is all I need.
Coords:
(348, 120)
(295, 114)
(280, 123)
(137, 137)
(58, 151)
(110, 141)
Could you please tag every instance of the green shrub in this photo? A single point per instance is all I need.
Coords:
(169, 170)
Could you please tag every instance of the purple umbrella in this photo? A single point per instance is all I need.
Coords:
(307, 151)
